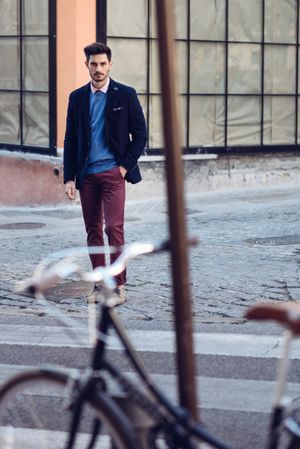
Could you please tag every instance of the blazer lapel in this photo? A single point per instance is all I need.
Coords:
(112, 97)
(86, 108)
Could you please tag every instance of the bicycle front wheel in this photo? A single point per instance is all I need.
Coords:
(35, 414)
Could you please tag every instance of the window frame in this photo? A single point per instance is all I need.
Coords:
(51, 149)
(101, 26)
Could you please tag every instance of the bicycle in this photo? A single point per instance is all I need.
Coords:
(92, 417)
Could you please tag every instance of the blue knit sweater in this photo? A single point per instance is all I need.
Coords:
(100, 157)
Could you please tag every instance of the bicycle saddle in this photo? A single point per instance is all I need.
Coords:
(287, 314)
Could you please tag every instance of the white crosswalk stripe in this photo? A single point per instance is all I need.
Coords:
(224, 397)
(28, 437)
(233, 344)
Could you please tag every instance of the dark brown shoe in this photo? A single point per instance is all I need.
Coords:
(93, 296)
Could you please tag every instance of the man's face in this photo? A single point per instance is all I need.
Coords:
(98, 67)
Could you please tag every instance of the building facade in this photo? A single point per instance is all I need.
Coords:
(237, 69)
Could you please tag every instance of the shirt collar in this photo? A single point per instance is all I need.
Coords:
(103, 89)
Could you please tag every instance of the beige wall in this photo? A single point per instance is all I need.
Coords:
(76, 27)
(39, 184)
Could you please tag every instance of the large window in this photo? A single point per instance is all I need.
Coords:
(27, 75)
(237, 69)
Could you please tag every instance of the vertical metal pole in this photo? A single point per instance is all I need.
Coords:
(149, 43)
(101, 20)
(174, 171)
(226, 71)
(52, 78)
(262, 93)
(22, 72)
(297, 75)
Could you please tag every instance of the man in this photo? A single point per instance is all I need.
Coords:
(105, 136)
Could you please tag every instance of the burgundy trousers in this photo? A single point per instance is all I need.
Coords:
(103, 196)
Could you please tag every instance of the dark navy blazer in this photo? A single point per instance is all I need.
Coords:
(125, 131)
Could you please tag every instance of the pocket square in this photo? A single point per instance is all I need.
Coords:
(118, 109)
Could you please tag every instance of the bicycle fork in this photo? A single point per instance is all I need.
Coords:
(82, 389)
(279, 399)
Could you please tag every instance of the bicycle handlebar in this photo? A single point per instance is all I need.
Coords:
(43, 278)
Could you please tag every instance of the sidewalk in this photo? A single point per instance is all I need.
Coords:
(249, 250)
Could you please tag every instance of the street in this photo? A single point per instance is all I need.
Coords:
(248, 251)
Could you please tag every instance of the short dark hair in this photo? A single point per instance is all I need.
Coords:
(97, 48)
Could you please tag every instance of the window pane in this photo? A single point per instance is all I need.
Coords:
(127, 18)
(299, 67)
(143, 101)
(244, 120)
(10, 64)
(208, 19)
(35, 17)
(181, 60)
(280, 21)
(130, 62)
(35, 60)
(155, 122)
(9, 17)
(155, 86)
(183, 123)
(280, 69)
(244, 68)
(9, 118)
(245, 19)
(180, 17)
(156, 139)
(206, 121)
(279, 120)
(298, 99)
(207, 68)
(36, 120)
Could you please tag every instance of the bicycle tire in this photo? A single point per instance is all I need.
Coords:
(26, 397)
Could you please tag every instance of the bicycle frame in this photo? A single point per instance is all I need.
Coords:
(177, 419)
(174, 420)
(168, 413)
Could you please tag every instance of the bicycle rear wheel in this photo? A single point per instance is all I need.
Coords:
(34, 414)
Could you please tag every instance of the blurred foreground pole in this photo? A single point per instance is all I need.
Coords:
(174, 172)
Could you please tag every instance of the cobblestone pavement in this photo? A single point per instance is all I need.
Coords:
(249, 249)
